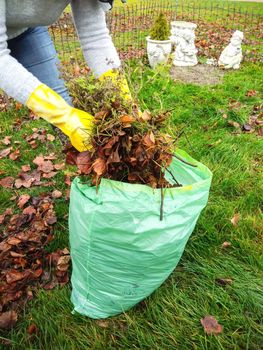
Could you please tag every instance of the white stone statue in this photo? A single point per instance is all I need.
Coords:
(231, 56)
(183, 37)
(156, 55)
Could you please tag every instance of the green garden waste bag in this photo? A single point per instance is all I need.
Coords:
(121, 251)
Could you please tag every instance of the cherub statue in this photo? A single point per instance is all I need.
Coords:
(185, 52)
(157, 55)
(231, 56)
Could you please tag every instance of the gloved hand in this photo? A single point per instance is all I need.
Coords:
(76, 124)
(120, 81)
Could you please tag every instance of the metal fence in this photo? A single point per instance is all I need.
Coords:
(130, 24)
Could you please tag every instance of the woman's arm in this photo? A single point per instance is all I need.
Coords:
(15, 80)
(98, 48)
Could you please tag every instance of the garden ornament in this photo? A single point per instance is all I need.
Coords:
(185, 52)
(158, 51)
(178, 26)
(159, 44)
(156, 55)
(231, 56)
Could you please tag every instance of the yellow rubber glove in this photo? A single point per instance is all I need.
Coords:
(119, 79)
(76, 124)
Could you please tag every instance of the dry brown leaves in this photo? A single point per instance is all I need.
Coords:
(224, 281)
(57, 194)
(5, 152)
(5, 102)
(8, 319)
(32, 329)
(22, 200)
(211, 39)
(7, 140)
(127, 148)
(211, 326)
(235, 219)
(7, 182)
(251, 93)
(255, 121)
(39, 136)
(254, 124)
(46, 169)
(8, 211)
(226, 245)
(24, 263)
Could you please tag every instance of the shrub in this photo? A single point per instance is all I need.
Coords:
(160, 29)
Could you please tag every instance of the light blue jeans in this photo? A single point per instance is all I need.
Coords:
(35, 50)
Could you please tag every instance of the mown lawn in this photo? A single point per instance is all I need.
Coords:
(256, 6)
(170, 318)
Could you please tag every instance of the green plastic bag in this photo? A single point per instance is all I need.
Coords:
(121, 251)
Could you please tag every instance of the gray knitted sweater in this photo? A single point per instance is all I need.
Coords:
(18, 15)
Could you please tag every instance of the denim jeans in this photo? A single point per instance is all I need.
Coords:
(35, 50)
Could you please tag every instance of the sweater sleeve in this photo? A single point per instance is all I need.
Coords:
(98, 48)
(15, 80)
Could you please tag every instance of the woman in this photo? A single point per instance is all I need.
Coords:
(29, 64)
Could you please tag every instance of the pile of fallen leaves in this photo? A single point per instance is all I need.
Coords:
(26, 230)
(24, 262)
(127, 145)
(255, 121)
(27, 177)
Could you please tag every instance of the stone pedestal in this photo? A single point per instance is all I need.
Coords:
(183, 37)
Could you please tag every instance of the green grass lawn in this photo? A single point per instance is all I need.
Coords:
(170, 317)
(256, 6)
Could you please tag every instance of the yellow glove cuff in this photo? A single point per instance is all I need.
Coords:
(47, 104)
(76, 124)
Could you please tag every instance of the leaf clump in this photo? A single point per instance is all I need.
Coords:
(25, 265)
(127, 145)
